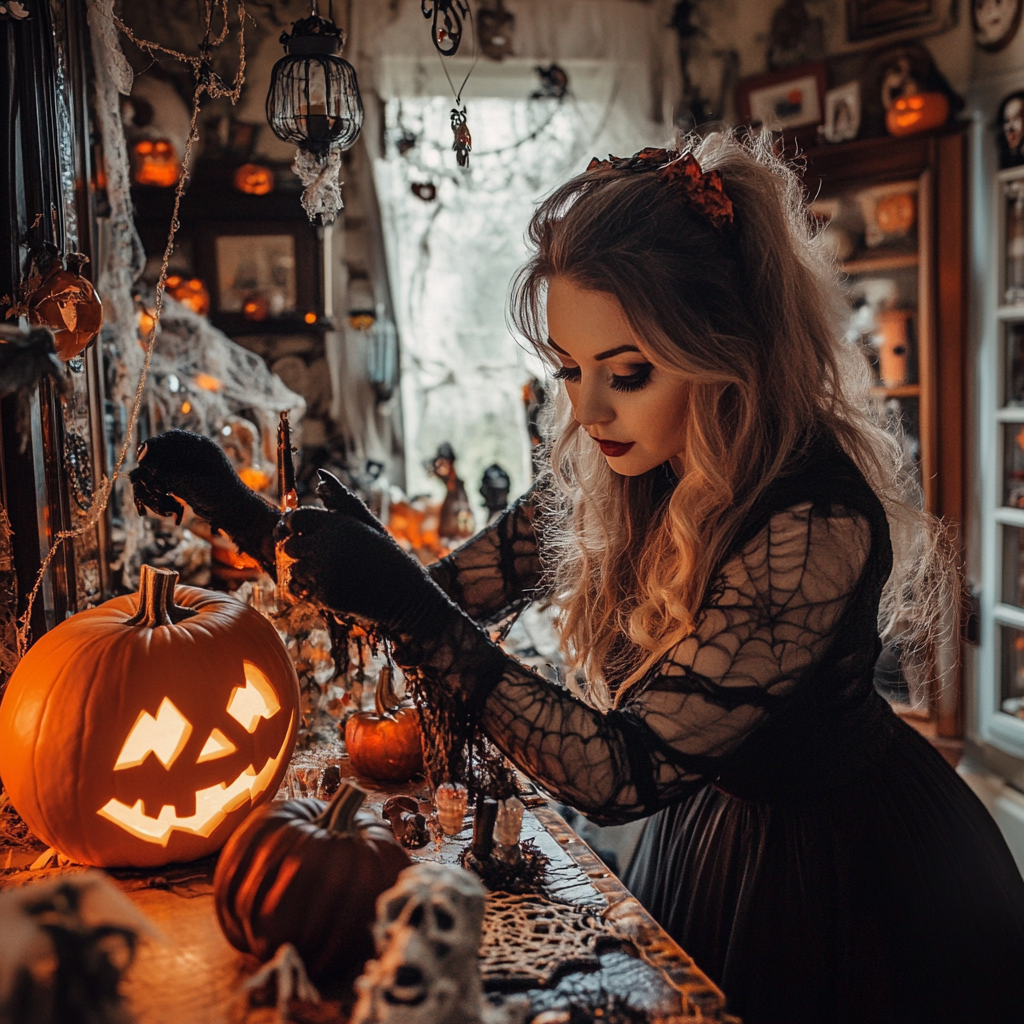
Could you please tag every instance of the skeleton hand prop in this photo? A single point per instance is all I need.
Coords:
(286, 969)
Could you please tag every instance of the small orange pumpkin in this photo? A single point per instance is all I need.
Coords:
(156, 163)
(68, 304)
(919, 112)
(254, 179)
(385, 745)
(143, 731)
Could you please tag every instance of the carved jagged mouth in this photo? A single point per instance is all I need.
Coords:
(212, 805)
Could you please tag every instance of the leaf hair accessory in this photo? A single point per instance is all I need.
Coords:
(703, 190)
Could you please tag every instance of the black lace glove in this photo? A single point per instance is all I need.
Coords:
(345, 560)
(180, 467)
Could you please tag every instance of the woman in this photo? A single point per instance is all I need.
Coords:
(716, 533)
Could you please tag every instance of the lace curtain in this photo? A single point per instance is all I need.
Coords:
(451, 257)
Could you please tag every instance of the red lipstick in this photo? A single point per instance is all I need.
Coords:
(614, 449)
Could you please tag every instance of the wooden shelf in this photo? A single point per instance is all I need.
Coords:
(880, 264)
(900, 391)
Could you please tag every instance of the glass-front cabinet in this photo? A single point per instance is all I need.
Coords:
(1002, 699)
(893, 213)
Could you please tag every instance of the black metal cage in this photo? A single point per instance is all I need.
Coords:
(314, 102)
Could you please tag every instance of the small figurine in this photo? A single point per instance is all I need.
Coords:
(463, 144)
(428, 934)
(66, 943)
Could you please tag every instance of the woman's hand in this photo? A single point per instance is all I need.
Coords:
(346, 561)
(179, 468)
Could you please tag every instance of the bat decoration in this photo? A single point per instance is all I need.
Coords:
(463, 144)
(446, 27)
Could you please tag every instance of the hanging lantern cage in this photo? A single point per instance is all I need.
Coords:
(314, 97)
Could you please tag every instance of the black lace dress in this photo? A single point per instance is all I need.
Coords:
(816, 857)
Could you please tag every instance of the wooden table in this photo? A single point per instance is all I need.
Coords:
(194, 976)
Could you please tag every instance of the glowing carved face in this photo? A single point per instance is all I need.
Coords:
(166, 736)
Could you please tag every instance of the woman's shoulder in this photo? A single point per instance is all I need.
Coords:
(821, 477)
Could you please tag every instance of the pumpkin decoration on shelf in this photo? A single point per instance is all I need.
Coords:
(386, 745)
(917, 112)
(156, 163)
(143, 731)
(308, 873)
(67, 303)
(254, 179)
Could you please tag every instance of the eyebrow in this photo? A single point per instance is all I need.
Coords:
(601, 355)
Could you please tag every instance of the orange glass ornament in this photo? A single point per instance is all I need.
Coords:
(68, 304)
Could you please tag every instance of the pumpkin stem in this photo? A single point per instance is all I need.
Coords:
(339, 815)
(385, 697)
(156, 599)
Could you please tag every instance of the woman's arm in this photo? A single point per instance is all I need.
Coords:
(771, 616)
(498, 571)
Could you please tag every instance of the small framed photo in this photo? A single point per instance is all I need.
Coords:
(1010, 128)
(790, 100)
(842, 112)
(258, 270)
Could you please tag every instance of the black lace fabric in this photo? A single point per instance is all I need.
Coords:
(499, 571)
(771, 616)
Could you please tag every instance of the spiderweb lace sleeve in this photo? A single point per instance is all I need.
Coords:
(772, 613)
(498, 571)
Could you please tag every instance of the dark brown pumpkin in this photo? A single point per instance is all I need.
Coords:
(308, 873)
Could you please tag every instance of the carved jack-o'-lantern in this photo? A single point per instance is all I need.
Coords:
(143, 731)
(254, 179)
(918, 112)
(156, 163)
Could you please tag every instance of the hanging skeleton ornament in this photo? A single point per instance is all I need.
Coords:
(463, 144)
(428, 933)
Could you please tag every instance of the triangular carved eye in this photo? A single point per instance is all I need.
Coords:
(257, 699)
(216, 745)
(165, 736)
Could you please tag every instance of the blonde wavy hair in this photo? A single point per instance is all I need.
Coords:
(753, 318)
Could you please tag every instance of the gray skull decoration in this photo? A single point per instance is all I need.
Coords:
(428, 932)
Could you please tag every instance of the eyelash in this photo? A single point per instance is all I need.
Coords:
(632, 382)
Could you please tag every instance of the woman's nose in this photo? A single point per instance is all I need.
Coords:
(591, 407)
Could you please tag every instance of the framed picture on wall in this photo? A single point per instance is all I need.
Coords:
(878, 19)
(261, 271)
(791, 100)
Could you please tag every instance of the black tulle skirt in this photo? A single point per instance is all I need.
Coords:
(892, 898)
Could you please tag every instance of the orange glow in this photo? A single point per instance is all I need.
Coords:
(361, 321)
(207, 382)
(310, 318)
(255, 479)
(255, 307)
(156, 163)
(186, 407)
(189, 292)
(254, 179)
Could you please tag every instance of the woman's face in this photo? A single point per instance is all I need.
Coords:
(634, 411)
